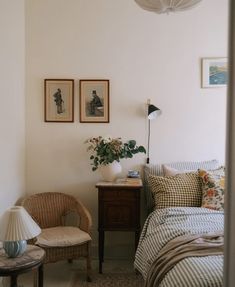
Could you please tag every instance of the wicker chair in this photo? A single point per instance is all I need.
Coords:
(50, 211)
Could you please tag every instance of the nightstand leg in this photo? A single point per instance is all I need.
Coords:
(101, 250)
(14, 281)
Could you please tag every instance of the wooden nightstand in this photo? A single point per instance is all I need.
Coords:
(118, 209)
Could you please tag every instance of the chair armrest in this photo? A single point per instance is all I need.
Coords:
(85, 217)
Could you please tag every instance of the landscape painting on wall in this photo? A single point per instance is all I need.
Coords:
(214, 72)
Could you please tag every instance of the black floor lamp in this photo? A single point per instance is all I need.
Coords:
(153, 113)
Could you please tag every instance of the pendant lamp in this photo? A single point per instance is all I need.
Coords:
(165, 6)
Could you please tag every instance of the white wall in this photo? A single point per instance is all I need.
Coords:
(144, 55)
(12, 115)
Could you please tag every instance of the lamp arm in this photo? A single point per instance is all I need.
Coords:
(148, 140)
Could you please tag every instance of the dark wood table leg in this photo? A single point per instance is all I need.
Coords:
(102, 257)
(101, 250)
(40, 276)
(14, 280)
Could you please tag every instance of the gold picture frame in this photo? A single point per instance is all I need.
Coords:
(59, 100)
(94, 101)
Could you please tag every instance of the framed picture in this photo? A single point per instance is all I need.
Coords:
(59, 100)
(94, 101)
(214, 72)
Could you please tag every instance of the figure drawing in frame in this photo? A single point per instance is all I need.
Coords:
(94, 101)
(59, 101)
(95, 106)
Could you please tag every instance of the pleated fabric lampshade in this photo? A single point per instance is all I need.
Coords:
(17, 226)
(165, 6)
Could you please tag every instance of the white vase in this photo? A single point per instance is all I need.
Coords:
(111, 171)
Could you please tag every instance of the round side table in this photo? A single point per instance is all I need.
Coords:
(31, 259)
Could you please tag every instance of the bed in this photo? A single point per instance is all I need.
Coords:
(181, 243)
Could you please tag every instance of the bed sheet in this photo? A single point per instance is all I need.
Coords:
(166, 224)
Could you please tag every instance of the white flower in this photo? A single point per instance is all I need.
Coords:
(107, 139)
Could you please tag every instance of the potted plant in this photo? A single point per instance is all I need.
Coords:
(106, 153)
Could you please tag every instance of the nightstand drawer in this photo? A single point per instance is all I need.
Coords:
(116, 215)
(118, 195)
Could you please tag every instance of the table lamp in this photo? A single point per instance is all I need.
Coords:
(16, 226)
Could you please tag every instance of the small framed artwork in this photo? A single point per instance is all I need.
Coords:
(94, 101)
(214, 72)
(59, 100)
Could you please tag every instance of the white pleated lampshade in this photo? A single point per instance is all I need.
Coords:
(165, 6)
(16, 224)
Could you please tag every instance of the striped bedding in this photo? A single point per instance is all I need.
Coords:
(164, 225)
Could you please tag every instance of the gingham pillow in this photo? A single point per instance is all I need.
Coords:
(180, 190)
(212, 188)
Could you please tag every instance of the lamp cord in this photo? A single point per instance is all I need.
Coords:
(148, 140)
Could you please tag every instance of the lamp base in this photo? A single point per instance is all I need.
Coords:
(15, 248)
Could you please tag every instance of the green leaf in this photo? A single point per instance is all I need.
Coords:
(131, 143)
(141, 149)
(129, 154)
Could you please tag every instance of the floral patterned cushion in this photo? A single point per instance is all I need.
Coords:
(212, 188)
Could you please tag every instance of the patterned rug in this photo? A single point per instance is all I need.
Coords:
(110, 280)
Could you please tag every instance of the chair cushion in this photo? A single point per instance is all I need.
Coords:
(62, 236)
